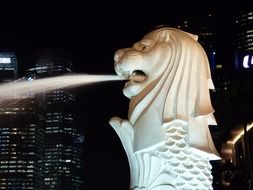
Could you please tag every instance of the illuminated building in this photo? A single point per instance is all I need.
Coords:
(21, 135)
(40, 143)
(8, 66)
(62, 140)
(238, 149)
(234, 148)
(244, 50)
(21, 145)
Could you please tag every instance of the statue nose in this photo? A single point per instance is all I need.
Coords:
(118, 54)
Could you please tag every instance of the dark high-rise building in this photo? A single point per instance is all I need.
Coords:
(21, 135)
(62, 139)
(21, 145)
(244, 49)
(50, 63)
(40, 143)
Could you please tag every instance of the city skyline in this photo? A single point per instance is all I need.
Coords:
(92, 43)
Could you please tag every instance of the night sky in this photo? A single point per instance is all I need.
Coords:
(91, 33)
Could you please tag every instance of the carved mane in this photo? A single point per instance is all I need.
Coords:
(185, 82)
(182, 91)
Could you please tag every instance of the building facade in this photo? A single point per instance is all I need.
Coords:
(21, 145)
(238, 150)
(40, 142)
(63, 143)
(244, 38)
(21, 135)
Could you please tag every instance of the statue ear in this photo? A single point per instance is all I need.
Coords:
(164, 36)
(195, 37)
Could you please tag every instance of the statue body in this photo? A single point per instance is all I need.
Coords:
(166, 136)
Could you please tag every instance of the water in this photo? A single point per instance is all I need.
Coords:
(20, 87)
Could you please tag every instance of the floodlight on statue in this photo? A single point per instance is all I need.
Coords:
(166, 136)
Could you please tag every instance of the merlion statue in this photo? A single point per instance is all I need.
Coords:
(166, 136)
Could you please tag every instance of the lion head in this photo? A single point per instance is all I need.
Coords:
(169, 81)
(170, 68)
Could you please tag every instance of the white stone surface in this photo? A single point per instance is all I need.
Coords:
(166, 136)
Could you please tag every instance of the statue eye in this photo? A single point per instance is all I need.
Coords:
(143, 47)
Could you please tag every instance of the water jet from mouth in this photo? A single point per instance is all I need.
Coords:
(19, 87)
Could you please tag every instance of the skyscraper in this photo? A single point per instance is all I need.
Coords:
(244, 32)
(21, 137)
(62, 139)
(40, 141)
(21, 145)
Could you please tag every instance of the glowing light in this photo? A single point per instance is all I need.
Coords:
(5, 60)
(245, 61)
(30, 78)
(241, 133)
(218, 66)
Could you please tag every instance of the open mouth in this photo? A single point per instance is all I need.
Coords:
(137, 76)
